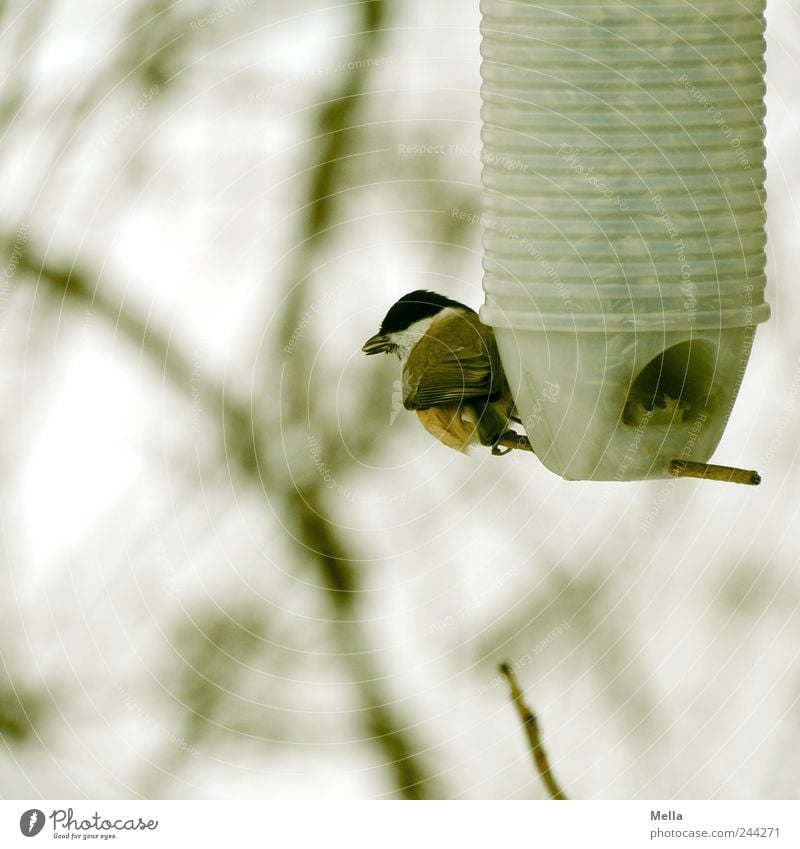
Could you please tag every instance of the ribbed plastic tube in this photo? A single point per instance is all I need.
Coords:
(623, 225)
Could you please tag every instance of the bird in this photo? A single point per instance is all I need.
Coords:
(452, 376)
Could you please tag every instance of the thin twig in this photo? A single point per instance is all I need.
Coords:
(531, 728)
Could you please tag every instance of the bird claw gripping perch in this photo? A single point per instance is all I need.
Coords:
(511, 440)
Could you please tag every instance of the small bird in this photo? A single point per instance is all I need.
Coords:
(451, 371)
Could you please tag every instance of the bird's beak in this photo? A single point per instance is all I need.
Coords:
(377, 344)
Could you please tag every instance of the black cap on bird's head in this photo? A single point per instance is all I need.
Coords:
(411, 308)
(414, 307)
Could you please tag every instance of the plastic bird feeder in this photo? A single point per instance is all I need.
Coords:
(623, 226)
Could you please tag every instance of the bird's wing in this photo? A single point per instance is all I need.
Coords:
(467, 365)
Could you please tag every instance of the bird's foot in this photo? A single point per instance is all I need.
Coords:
(511, 440)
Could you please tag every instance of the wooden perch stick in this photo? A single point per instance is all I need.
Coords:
(677, 468)
(531, 727)
(707, 471)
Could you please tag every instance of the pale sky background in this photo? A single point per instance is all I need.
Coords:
(166, 625)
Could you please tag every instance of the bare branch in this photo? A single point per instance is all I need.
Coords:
(531, 728)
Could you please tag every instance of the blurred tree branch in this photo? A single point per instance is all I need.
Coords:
(337, 119)
(242, 426)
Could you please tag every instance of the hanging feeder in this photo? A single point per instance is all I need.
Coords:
(623, 225)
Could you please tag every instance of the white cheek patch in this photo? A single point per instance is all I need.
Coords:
(406, 339)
